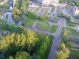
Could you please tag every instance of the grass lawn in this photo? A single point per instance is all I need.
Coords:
(54, 28)
(74, 53)
(73, 31)
(44, 25)
(71, 24)
(29, 22)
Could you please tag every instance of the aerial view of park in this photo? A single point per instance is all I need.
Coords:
(39, 29)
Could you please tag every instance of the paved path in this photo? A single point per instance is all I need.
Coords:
(56, 41)
(10, 18)
(40, 31)
(35, 24)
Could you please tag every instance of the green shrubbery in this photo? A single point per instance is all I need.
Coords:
(11, 27)
(43, 49)
(45, 17)
(5, 26)
(16, 14)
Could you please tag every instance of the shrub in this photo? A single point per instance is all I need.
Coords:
(19, 29)
(43, 17)
(11, 27)
(4, 25)
(16, 18)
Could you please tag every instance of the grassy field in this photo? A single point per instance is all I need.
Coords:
(29, 22)
(73, 31)
(74, 53)
(44, 25)
(71, 24)
(54, 28)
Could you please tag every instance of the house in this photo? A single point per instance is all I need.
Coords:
(2, 2)
(47, 2)
(75, 11)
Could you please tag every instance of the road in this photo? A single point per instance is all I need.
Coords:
(57, 40)
(9, 19)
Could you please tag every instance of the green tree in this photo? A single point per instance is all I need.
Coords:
(31, 39)
(11, 57)
(38, 57)
(64, 52)
(22, 55)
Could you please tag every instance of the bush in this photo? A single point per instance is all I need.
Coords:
(11, 27)
(3, 25)
(16, 18)
(43, 17)
(22, 55)
(19, 29)
(16, 14)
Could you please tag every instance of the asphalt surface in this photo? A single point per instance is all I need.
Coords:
(57, 40)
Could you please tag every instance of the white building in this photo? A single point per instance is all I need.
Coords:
(49, 1)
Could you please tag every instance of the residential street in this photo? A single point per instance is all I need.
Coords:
(57, 40)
